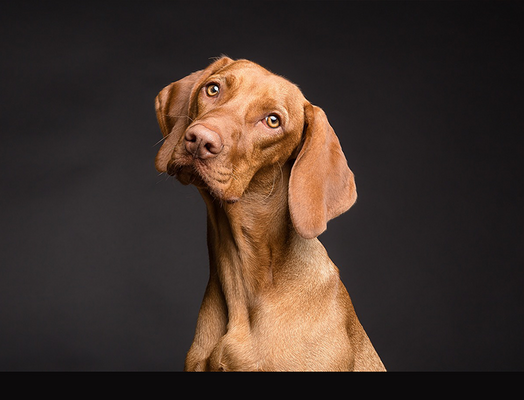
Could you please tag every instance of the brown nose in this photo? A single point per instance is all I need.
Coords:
(202, 142)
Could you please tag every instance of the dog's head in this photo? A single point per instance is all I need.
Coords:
(225, 124)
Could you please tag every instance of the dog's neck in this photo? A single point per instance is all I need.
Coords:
(248, 241)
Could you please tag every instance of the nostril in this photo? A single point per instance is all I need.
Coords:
(202, 142)
(190, 136)
(210, 147)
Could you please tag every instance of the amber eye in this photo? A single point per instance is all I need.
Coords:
(212, 89)
(273, 121)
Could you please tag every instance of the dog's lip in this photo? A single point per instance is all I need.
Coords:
(173, 168)
(196, 178)
(232, 200)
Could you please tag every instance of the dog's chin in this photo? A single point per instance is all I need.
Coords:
(188, 175)
(219, 194)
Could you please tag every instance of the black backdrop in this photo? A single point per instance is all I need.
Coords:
(103, 261)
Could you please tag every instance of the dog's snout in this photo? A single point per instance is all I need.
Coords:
(202, 142)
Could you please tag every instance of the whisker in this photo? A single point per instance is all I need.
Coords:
(160, 141)
(172, 116)
(274, 180)
(179, 116)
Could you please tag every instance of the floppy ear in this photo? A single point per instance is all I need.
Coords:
(321, 185)
(172, 109)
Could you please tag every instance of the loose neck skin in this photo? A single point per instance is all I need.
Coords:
(248, 240)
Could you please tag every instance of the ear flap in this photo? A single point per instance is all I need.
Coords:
(321, 185)
(172, 109)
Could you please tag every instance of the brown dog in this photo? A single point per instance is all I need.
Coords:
(272, 173)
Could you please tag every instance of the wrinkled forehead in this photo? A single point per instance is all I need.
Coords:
(246, 76)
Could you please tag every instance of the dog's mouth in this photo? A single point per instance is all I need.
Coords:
(216, 181)
(186, 174)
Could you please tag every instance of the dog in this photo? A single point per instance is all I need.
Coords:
(272, 173)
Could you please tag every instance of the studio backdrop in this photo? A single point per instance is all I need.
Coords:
(103, 261)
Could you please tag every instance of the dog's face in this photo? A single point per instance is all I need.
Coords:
(242, 119)
(230, 126)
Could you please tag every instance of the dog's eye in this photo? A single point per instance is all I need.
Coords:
(273, 121)
(212, 89)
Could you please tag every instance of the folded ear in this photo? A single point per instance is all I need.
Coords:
(321, 185)
(172, 109)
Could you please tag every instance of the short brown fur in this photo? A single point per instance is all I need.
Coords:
(274, 300)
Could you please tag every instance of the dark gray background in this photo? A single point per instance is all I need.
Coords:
(103, 262)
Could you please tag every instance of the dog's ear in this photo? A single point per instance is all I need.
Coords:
(172, 109)
(321, 185)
